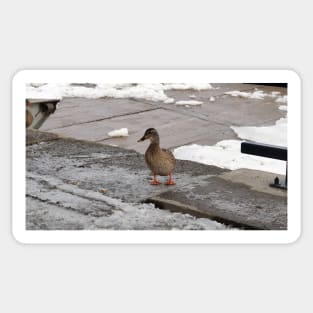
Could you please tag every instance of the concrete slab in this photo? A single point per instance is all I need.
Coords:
(73, 111)
(256, 180)
(174, 128)
(92, 119)
(235, 111)
(210, 122)
(228, 202)
(86, 185)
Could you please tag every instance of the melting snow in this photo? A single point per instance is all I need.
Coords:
(150, 92)
(273, 135)
(125, 216)
(256, 94)
(226, 154)
(282, 99)
(123, 132)
(188, 102)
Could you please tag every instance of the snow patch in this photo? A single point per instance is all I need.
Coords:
(282, 99)
(188, 102)
(273, 135)
(127, 216)
(185, 86)
(257, 94)
(150, 92)
(226, 154)
(169, 100)
(212, 99)
(123, 132)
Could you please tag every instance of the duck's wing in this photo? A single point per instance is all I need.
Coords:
(169, 155)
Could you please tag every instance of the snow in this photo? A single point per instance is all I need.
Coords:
(124, 216)
(226, 154)
(186, 86)
(123, 132)
(273, 135)
(146, 216)
(151, 92)
(169, 100)
(275, 93)
(282, 99)
(257, 94)
(188, 102)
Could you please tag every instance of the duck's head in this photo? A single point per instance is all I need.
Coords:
(151, 134)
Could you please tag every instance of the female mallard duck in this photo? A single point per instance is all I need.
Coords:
(160, 161)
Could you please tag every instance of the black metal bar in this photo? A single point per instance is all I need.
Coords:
(263, 150)
(284, 85)
(268, 151)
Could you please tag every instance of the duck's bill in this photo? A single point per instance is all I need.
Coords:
(142, 139)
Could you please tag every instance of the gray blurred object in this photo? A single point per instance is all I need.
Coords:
(38, 110)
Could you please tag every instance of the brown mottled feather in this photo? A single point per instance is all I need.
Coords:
(161, 161)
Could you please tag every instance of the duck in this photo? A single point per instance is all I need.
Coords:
(160, 161)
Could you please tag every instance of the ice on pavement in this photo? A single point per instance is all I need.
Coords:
(123, 215)
(151, 92)
(123, 132)
(146, 216)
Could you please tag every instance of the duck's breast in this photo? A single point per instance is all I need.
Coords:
(161, 162)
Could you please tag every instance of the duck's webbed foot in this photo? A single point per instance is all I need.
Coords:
(170, 180)
(155, 181)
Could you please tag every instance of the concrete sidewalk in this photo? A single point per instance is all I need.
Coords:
(92, 119)
(74, 184)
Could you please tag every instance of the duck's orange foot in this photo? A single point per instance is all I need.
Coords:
(170, 180)
(155, 182)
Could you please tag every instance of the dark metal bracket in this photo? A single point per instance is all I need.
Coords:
(268, 151)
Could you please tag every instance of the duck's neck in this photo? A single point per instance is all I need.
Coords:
(155, 143)
(155, 140)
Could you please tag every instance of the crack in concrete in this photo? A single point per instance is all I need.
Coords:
(102, 119)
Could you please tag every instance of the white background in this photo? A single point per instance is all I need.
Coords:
(160, 34)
